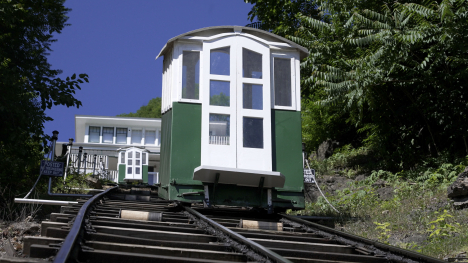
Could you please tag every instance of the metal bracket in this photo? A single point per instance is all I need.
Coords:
(214, 186)
(260, 188)
(206, 201)
(269, 202)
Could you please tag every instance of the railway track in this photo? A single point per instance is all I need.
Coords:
(133, 226)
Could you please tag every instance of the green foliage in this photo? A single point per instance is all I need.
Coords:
(346, 161)
(440, 226)
(29, 86)
(387, 75)
(384, 231)
(151, 110)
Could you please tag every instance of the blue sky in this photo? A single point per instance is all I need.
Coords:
(116, 43)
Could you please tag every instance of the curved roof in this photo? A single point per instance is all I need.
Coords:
(214, 30)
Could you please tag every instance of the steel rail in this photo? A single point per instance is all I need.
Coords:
(239, 238)
(409, 254)
(69, 246)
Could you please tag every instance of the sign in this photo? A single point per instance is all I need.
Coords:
(309, 176)
(52, 168)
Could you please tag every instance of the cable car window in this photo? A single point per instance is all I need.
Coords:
(252, 96)
(282, 76)
(190, 75)
(219, 93)
(253, 132)
(251, 64)
(220, 61)
(219, 129)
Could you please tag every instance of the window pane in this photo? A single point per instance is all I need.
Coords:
(137, 162)
(129, 170)
(108, 134)
(129, 161)
(219, 61)
(252, 96)
(121, 135)
(130, 154)
(150, 137)
(137, 155)
(122, 157)
(282, 75)
(190, 75)
(253, 132)
(219, 129)
(251, 64)
(136, 136)
(94, 133)
(219, 93)
(144, 158)
(137, 170)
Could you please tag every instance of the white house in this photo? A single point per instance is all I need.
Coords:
(127, 148)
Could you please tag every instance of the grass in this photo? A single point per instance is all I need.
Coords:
(418, 217)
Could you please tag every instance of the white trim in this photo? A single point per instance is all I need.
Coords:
(293, 57)
(214, 37)
(180, 47)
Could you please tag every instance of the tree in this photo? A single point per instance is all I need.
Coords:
(28, 85)
(394, 71)
(151, 110)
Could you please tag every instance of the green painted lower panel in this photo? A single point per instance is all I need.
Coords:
(287, 148)
(180, 150)
(122, 168)
(145, 173)
(165, 169)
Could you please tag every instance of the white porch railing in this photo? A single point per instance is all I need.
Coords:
(219, 140)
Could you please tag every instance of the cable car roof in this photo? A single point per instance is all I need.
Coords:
(214, 30)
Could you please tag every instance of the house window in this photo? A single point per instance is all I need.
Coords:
(94, 133)
(190, 75)
(122, 157)
(282, 82)
(121, 136)
(150, 137)
(143, 161)
(107, 134)
(136, 136)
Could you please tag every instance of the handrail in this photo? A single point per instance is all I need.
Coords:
(73, 238)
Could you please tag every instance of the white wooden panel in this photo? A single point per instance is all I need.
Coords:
(254, 158)
(214, 154)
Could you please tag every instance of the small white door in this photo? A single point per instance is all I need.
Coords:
(133, 165)
(236, 110)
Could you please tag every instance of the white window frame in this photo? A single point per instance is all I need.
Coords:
(126, 138)
(99, 136)
(180, 47)
(133, 175)
(295, 100)
(102, 136)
